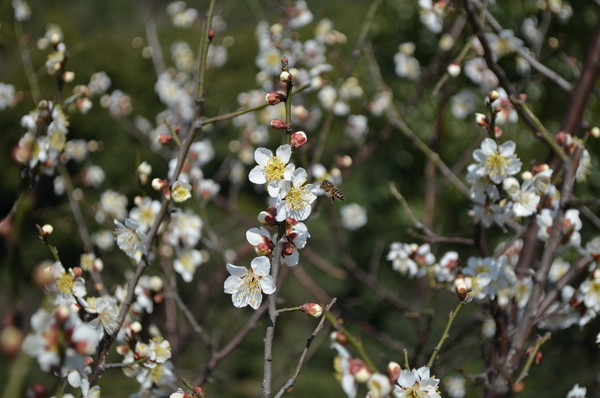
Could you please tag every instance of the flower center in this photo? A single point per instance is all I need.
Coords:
(415, 392)
(64, 283)
(297, 197)
(274, 169)
(251, 282)
(495, 165)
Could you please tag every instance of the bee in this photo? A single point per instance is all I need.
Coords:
(332, 191)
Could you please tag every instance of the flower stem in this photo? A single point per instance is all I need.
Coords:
(445, 335)
(356, 343)
(538, 344)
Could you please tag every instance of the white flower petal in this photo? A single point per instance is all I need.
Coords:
(261, 266)
(262, 156)
(267, 284)
(257, 175)
(284, 152)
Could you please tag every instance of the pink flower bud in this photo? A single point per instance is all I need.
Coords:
(298, 139)
(158, 184)
(164, 139)
(312, 309)
(274, 98)
(563, 138)
(393, 370)
(462, 287)
(481, 120)
(279, 124)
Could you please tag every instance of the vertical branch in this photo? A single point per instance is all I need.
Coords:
(195, 130)
(272, 318)
(26, 60)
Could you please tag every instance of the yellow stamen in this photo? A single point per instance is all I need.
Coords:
(274, 169)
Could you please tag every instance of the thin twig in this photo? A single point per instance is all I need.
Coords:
(292, 380)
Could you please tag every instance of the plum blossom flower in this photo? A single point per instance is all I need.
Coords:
(589, 291)
(296, 240)
(68, 285)
(432, 14)
(462, 104)
(7, 95)
(445, 270)
(107, 309)
(410, 259)
(577, 392)
(181, 191)
(496, 162)
(145, 212)
(525, 199)
(353, 216)
(131, 239)
(112, 205)
(272, 169)
(570, 228)
(342, 367)
(247, 285)
(296, 197)
(455, 386)
(417, 383)
(406, 65)
(379, 386)
(187, 262)
(184, 228)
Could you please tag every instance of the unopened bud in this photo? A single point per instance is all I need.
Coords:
(122, 349)
(493, 95)
(339, 338)
(526, 175)
(268, 217)
(538, 168)
(164, 138)
(211, 34)
(453, 69)
(62, 313)
(462, 288)
(11, 339)
(68, 76)
(274, 98)
(393, 370)
(481, 119)
(298, 139)
(595, 132)
(563, 138)
(446, 42)
(362, 374)
(77, 272)
(158, 184)
(279, 124)
(497, 132)
(312, 309)
(284, 60)
(344, 161)
(285, 77)
(156, 283)
(46, 230)
(135, 327)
